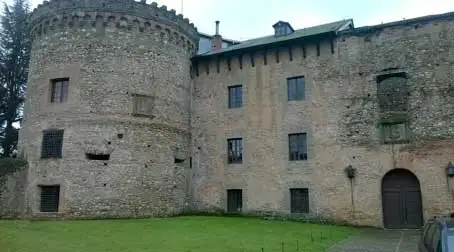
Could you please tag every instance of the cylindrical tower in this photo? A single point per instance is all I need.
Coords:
(106, 119)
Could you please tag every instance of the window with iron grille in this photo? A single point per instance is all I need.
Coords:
(297, 146)
(59, 90)
(234, 200)
(392, 92)
(296, 88)
(142, 105)
(236, 96)
(52, 143)
(50, 198)
(235, 150)
(299, 200)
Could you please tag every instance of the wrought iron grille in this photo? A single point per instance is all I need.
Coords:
(299, 200)
(235, 150)
(297, 146)
(52, 143)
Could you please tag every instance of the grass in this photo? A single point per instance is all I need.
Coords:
(181, 234)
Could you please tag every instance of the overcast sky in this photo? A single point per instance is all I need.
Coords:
(245, 19)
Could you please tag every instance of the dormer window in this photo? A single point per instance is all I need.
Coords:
(282, 28)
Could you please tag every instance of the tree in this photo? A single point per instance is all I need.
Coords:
(14, 59)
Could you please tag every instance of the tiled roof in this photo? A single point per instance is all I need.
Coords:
(305, 32)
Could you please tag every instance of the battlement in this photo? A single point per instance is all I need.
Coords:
(125, 12)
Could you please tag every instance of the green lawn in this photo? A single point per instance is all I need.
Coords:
(182, 234)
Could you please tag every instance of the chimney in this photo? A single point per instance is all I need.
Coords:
(216, 40)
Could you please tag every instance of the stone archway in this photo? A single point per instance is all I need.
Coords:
(401, 200)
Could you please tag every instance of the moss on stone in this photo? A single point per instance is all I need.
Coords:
(11, 165)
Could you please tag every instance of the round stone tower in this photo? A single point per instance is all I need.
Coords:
(106, 119)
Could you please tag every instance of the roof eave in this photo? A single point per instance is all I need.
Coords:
(272, 45)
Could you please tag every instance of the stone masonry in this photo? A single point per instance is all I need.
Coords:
(139, 97)
(340, 116)
(113, 52)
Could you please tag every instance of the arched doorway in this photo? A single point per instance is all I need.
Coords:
(401, 200)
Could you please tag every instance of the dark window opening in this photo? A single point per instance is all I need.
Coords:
(50, 198)
(91, 156)
(178, 161)
(296, 88)
(190, 162)
(392, 92)
(235, 150)
(297, 146)
(234, 200)
(52, 143)
(236, 96)
(299, 200)
(59, 90)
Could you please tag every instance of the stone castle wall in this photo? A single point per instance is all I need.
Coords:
(340, 117)
(113, 52)
(12, 193)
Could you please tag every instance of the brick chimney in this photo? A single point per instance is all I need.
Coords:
(216, 40)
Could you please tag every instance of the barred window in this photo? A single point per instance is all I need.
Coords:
(236, 96)
(235, 150)
(296, 88)
(297, 146)
(299, 200)
(50, 198)
(52, 143)
(59, 90)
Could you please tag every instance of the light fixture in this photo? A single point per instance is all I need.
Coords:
(350, 171)
(450, 170)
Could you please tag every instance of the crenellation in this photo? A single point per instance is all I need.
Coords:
(55, 9)
(101, 20)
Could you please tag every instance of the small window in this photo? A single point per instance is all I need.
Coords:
(50, 198)
(59, 90)
(236, 96)
(299, 200)
(296, 88)
(297, 146)
(142, 105)
(52, 143)
(92, 156)
(235, 150)
(234, 200)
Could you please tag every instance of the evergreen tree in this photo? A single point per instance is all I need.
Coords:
(14, 60)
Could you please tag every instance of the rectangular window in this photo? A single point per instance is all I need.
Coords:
(234, 200)
(393, 92)
(50, 198)
(235, 150)
(296, 88)
(297, 146)
(59, 90)
(236, 96)
(142, 105)
(52, 143)
(299, 200)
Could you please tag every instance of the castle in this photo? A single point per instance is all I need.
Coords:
(125, 116)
